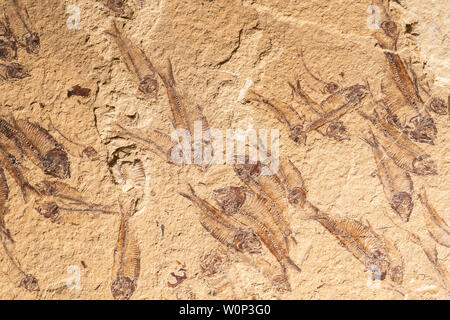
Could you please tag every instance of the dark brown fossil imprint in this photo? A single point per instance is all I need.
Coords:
(436, 225)
(185, 114)
(127, 257)
(13, 71)
(22, 27)
(396, 182)
(39, 145)
(378, 254)
(254, 211)
(136, 62)
(405, 154)
(56, 197)
(178, 279)
(4, 194)
(78, 91)
(8, 41)
(223, 228)
(121, 8)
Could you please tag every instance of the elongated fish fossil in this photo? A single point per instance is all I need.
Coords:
(57, 196)
(396, 182)
(387, 32)
(399, 148)
(375, 252)
(22, 26)
(284, 113)
(253, 211)
(8, 41)
(186, 113)
(127, 257)
(136, 62)
(436, 225)
(39, 145)
(223, 228)
(4, 194)
(157, 142)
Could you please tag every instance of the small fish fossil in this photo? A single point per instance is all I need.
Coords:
(13, 71)
(121, 8)
(156, 141)
(4, 194)
(379, 255)
(12, 165)
(396, 182)
(77, 149)
(431, 254)
(284, 113)
(399, 148)
(186, 113)
(78, 91)
(127, 257)
(136, 62)
(293, 182)
(387, 32)
(223, 228)
(254, 211)
(22, 26)
(40, 146)
(57, 196)
(133, 173)
(436, 225)
(27, 281)
(8, 42)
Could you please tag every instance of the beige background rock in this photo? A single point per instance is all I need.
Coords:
(215, 47)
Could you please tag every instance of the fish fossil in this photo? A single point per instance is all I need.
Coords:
(402, 100)
(156, 141)
(328, 87)
(186, 113)
(136, 62)
(22, 26)
(387, 32)
(436, 225)
(77, 149)
(379, 255)
(13, 71)
(339, 103)
(254, 211)
(4, 194)
(39, 145)
(12, 166)
(284, 113)
(405, 154)
(56, 197)
(396, 182)
(8, 41)
(127, 257)
(223, 228)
